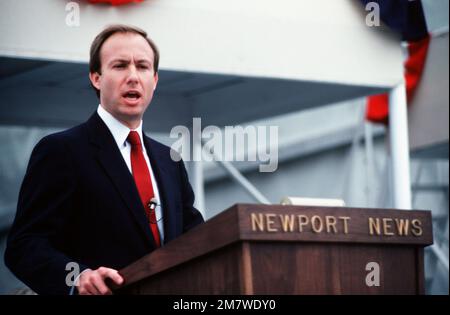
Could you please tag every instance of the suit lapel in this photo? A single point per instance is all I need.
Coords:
(111, 160)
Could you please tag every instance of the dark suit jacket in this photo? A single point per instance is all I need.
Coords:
(79, 203)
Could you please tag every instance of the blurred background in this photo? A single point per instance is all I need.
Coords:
(319, 70)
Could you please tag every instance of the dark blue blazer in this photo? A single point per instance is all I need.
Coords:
(79, 203)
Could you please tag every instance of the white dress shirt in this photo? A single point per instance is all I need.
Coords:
(120, 133)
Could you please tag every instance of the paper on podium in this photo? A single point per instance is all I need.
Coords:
(321, 202)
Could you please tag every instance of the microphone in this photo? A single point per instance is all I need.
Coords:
(153, 203)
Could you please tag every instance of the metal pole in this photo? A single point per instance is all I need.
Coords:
(398, 125)
(368, 145)
(238, 177)
(241, 180)
(346, 187)
(442, 258)
(197, 179)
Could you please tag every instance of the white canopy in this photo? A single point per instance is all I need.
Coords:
(312, 40)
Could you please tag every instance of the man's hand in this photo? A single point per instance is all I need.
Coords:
(92, 282)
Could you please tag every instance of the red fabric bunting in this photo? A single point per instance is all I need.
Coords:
(378, 105)
(114, 2)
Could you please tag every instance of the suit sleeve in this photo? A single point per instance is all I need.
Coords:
(191, 216)
(35, 253)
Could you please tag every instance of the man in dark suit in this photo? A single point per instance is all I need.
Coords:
(102, 194)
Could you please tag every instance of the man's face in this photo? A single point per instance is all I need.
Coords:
(127, 78)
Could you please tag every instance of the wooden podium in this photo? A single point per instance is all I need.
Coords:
(262, 249)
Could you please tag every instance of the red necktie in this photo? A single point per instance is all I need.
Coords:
(143, 181)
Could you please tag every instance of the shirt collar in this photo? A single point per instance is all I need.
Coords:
(119, 131)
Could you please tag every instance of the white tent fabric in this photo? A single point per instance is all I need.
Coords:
(318, 40)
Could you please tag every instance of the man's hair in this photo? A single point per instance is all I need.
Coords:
(95, 64)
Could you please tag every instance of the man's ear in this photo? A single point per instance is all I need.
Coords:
(156, 81)
(95, 78)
